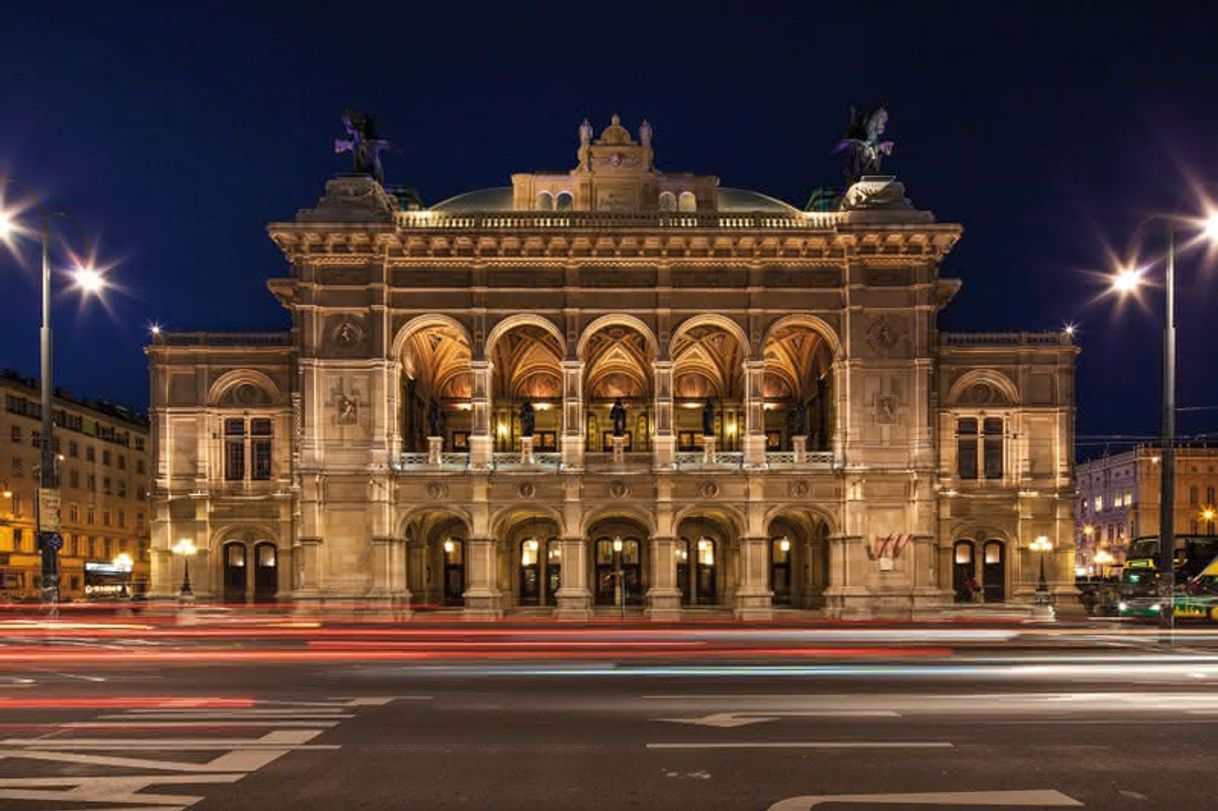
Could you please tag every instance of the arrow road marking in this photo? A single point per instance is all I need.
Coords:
(730, 720)
(1038, 797)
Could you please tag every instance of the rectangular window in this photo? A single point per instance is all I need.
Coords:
(234, 450)
(106, 458)
(122, 519)
(122, 462)
(16, 466)
(16, 504)
(105, 518)
(1209, 496)
(139, 443)
(122, 488)
(260, 449)
(16, 540)
(1192, 495)
(106, 485)
(139, 466)
(1099, 504)
(90, 454)
(966, 448)
(993, 447)
(73, 512)
(16, 433)
(139, 520)
(90, 516)
(91, 483)
(73, 449)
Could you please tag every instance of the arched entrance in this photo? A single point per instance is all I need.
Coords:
(704, 544)
(964, 566)
(798, 559)
(266, 572)
(619, 561)
(617, 366)
(436, 387)
(994, 571)
(435, 566)
(233, 557)
(532, 555)
(797, 386)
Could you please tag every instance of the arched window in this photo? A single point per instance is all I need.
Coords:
(687, 201)
(668, 201)
(545, 201)
(564, 201)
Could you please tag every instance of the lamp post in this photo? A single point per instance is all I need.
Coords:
(620, 586)
(185, 549)
(1127, 281)
(1044, 599)
(123, 562)
(89, 280)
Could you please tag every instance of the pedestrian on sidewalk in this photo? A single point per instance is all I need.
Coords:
(972, 590)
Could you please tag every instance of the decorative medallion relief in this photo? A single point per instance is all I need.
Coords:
(619, 489)
(886, 408)
(798, 489)
(436, 491)
(526, 490)
(885, 335)
(708, 490)
(246, 395)
(346, 336)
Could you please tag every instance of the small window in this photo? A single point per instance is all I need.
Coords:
(687, 202)
(139, 466)
(966, 448)
(266, 555)
(234, 427)
(706, 552)
(105, 518)
(122, 462)
(964, 553)
(235, 553)
(993, 447)
(91, 482)
(90, 454)
(106, 485)
(667, 201)
(16, 466)
(73, 449)
(564, 201)
(122, 519)
(106, 458)
(16, 433)
(545, 201)
(90, 516)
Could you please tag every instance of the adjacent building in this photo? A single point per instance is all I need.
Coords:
(612, 383)
(104, 468)
(1118, 500)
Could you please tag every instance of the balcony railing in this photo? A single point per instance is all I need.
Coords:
(786, 459)
(547, 220)
(594, 462)
(513, 461)
(1057, 338)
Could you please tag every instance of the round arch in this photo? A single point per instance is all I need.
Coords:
(236, 377)
(621, 512)
(989, 377)
(243, 532)
(501, 328)
(813, 322)
(616, 319)
(423, 322)
(714, 320)
(801, 514)
(446, 511)
(507, 517)
(716, 512)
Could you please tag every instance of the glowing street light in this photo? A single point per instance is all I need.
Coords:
(185, 549)
(1127, 280)
(1209, 514)
(89, 280)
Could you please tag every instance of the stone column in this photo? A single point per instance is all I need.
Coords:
(754, 600)
(435, 446)
(663, 598)
(482, 598)
(572, 415)
(481, 442)
(389, 572)
(306, 560)
(754, 414)
(664, 443)
(574, 598)
(799, 444)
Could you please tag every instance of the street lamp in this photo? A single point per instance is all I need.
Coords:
(89, 280)
(620, 587)
(1042, 544)
(185, 549)
(1103, 558)
(1127, 281)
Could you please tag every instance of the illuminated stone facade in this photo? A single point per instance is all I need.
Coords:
(792, 416)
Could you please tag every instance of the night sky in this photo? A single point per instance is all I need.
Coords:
(1048, 130)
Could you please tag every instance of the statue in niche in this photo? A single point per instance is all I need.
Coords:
(364, 144)
(346, 410)
(435, 421)
(527, 420)
(798, 424)
(618, 415)
(708, 418)
(862, 143)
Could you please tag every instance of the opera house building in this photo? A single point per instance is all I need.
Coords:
(613, 388)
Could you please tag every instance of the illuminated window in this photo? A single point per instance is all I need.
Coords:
(1099, 504)
(266, 554)
(668, 201)
(528, 552)
(687, 202)
(235, 553)
(706, 552)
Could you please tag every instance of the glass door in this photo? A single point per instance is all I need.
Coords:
(780, 570)
(704, 591)
(234, 573)
(681, 553)
(530, 572)
(266, 572)
(454, 571)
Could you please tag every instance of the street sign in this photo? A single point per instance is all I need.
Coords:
(54, 541)
(48, 509)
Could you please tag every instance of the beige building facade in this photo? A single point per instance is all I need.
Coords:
(613, 384)
(1119, 500)
(104, 463)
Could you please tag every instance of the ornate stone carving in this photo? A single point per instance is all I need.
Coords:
(619, 489)
(708, 489)
(886, 408)
(437, 491)
(246, 395)
(341, 275)
(798, 489)
(526, 490)
(347, 410)
(347, 336)
(352, 198)
(884, 335)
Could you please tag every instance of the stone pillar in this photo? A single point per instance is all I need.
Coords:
(619, 450)
(572, 415)
(526, 450)
(574, 598)
(708, 450)
(754, 600)
(664, 443)
(435, 445)
(306, 560)
(481, 442)
(800, 445)
(482, 598)
(389, 572)
(754, 414)
(663, 598)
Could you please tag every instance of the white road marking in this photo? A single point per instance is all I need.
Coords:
(221, 712)
(199, 722)
(807, 745)
(79, 676)
(1040, 797)
(111, 790)
(730, 720)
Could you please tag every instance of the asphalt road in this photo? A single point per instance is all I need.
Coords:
(529, 719)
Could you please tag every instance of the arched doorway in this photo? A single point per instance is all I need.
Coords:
(233, 557)
(708, 366)
(797, 387)
(452, 551)
(266, 572)
(435, 564)
(994, 571)
(436, 387)
(704, 542)
(619, 560)
(532, 557)
(964, 566)
(617, 365)
(798, 559)
(526, 364)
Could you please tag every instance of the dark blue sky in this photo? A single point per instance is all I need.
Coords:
(1048, 130)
